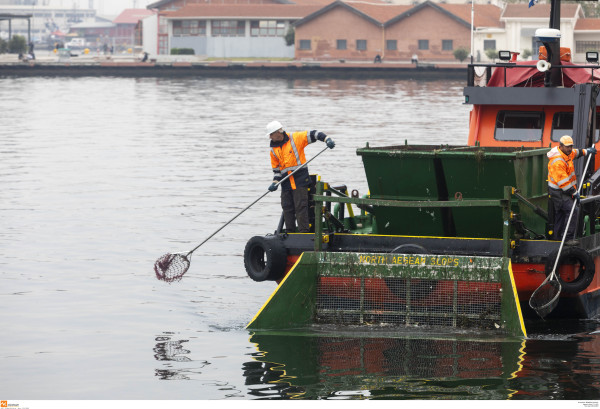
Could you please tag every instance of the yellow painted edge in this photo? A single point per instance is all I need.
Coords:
(520, 363)
(277, 289)
(514, 287)
(428, 237)
(421, 237)
(521, 359)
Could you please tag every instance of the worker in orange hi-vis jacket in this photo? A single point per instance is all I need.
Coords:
(287, 155)
(562, 186)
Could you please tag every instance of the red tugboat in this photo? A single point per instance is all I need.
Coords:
(453, 236)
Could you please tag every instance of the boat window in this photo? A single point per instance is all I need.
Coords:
(519, 126)
(562, 124)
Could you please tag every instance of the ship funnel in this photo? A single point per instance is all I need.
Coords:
(543, 65)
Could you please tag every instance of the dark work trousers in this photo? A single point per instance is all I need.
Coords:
(563, 203)
(295, 208)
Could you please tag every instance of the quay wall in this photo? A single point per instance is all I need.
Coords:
(232, 69)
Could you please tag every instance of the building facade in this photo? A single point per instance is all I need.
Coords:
(429, 31)
(232, 30)
(118, 34)
(229, 28)
(361, 30)
(48, 16)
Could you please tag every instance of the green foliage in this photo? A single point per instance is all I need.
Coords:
(491, 53)
(182, 51)
(290, 36)
(17, 44)
(526, 54)
(590, 9)
(3, 46)
(461, 54)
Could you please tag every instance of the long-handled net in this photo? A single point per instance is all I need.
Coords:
(172, 266)
(545, 298)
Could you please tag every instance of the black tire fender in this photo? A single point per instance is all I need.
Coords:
(398, 286)
(265, 258)
(572, 255)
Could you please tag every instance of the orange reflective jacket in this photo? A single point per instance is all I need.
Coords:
(288, 156)
(561, 172)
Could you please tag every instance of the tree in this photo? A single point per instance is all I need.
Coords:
(290, 37)
(461, 54)
(17, 44)
(491, 53)
(3, 46)
(526, 54)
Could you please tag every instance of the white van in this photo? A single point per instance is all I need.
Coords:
(76, 43)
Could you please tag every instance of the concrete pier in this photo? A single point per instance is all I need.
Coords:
(79, 65)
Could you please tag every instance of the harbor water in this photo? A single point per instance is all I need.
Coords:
(101, 176)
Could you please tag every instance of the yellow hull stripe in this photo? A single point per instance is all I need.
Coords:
(427, 237)
(514, 288)
(277, 289)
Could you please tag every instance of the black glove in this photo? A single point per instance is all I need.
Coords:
(273, 187)
(330, 143)
(574, 194)
(591, 150)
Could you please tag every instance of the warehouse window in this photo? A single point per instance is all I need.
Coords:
(189, 28)
(304, 45)
(447, 45)
(228, 28)
(267, 28)
(361, 45)
(391, 45)
(341, 44)
(423, 44)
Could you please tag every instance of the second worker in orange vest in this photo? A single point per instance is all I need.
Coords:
(562, 185)
(287, 155)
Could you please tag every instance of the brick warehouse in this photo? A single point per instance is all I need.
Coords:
(357, 30)
(432, 31)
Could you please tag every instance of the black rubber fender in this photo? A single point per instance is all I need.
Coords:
(572, 255)
(422, 288)
(265, 258)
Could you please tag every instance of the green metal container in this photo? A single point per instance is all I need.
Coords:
(450, 173)
(404, 173)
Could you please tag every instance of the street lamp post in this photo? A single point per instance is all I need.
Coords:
(472, 23)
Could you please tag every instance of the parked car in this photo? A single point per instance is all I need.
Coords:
(76, 43)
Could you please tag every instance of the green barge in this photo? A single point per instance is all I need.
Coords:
(450, 237)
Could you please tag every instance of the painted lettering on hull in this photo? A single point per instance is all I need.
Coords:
(409, 260)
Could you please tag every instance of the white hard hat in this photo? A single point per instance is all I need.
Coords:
(273, 126)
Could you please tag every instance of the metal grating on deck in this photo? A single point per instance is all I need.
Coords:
(408, 301)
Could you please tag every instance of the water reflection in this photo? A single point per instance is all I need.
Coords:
(291, 366)
(561, 361)
(167, 349)
(373, 88)
(551, 364)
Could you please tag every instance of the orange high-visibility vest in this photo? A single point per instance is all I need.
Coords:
(288, 157)
(561, 172)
